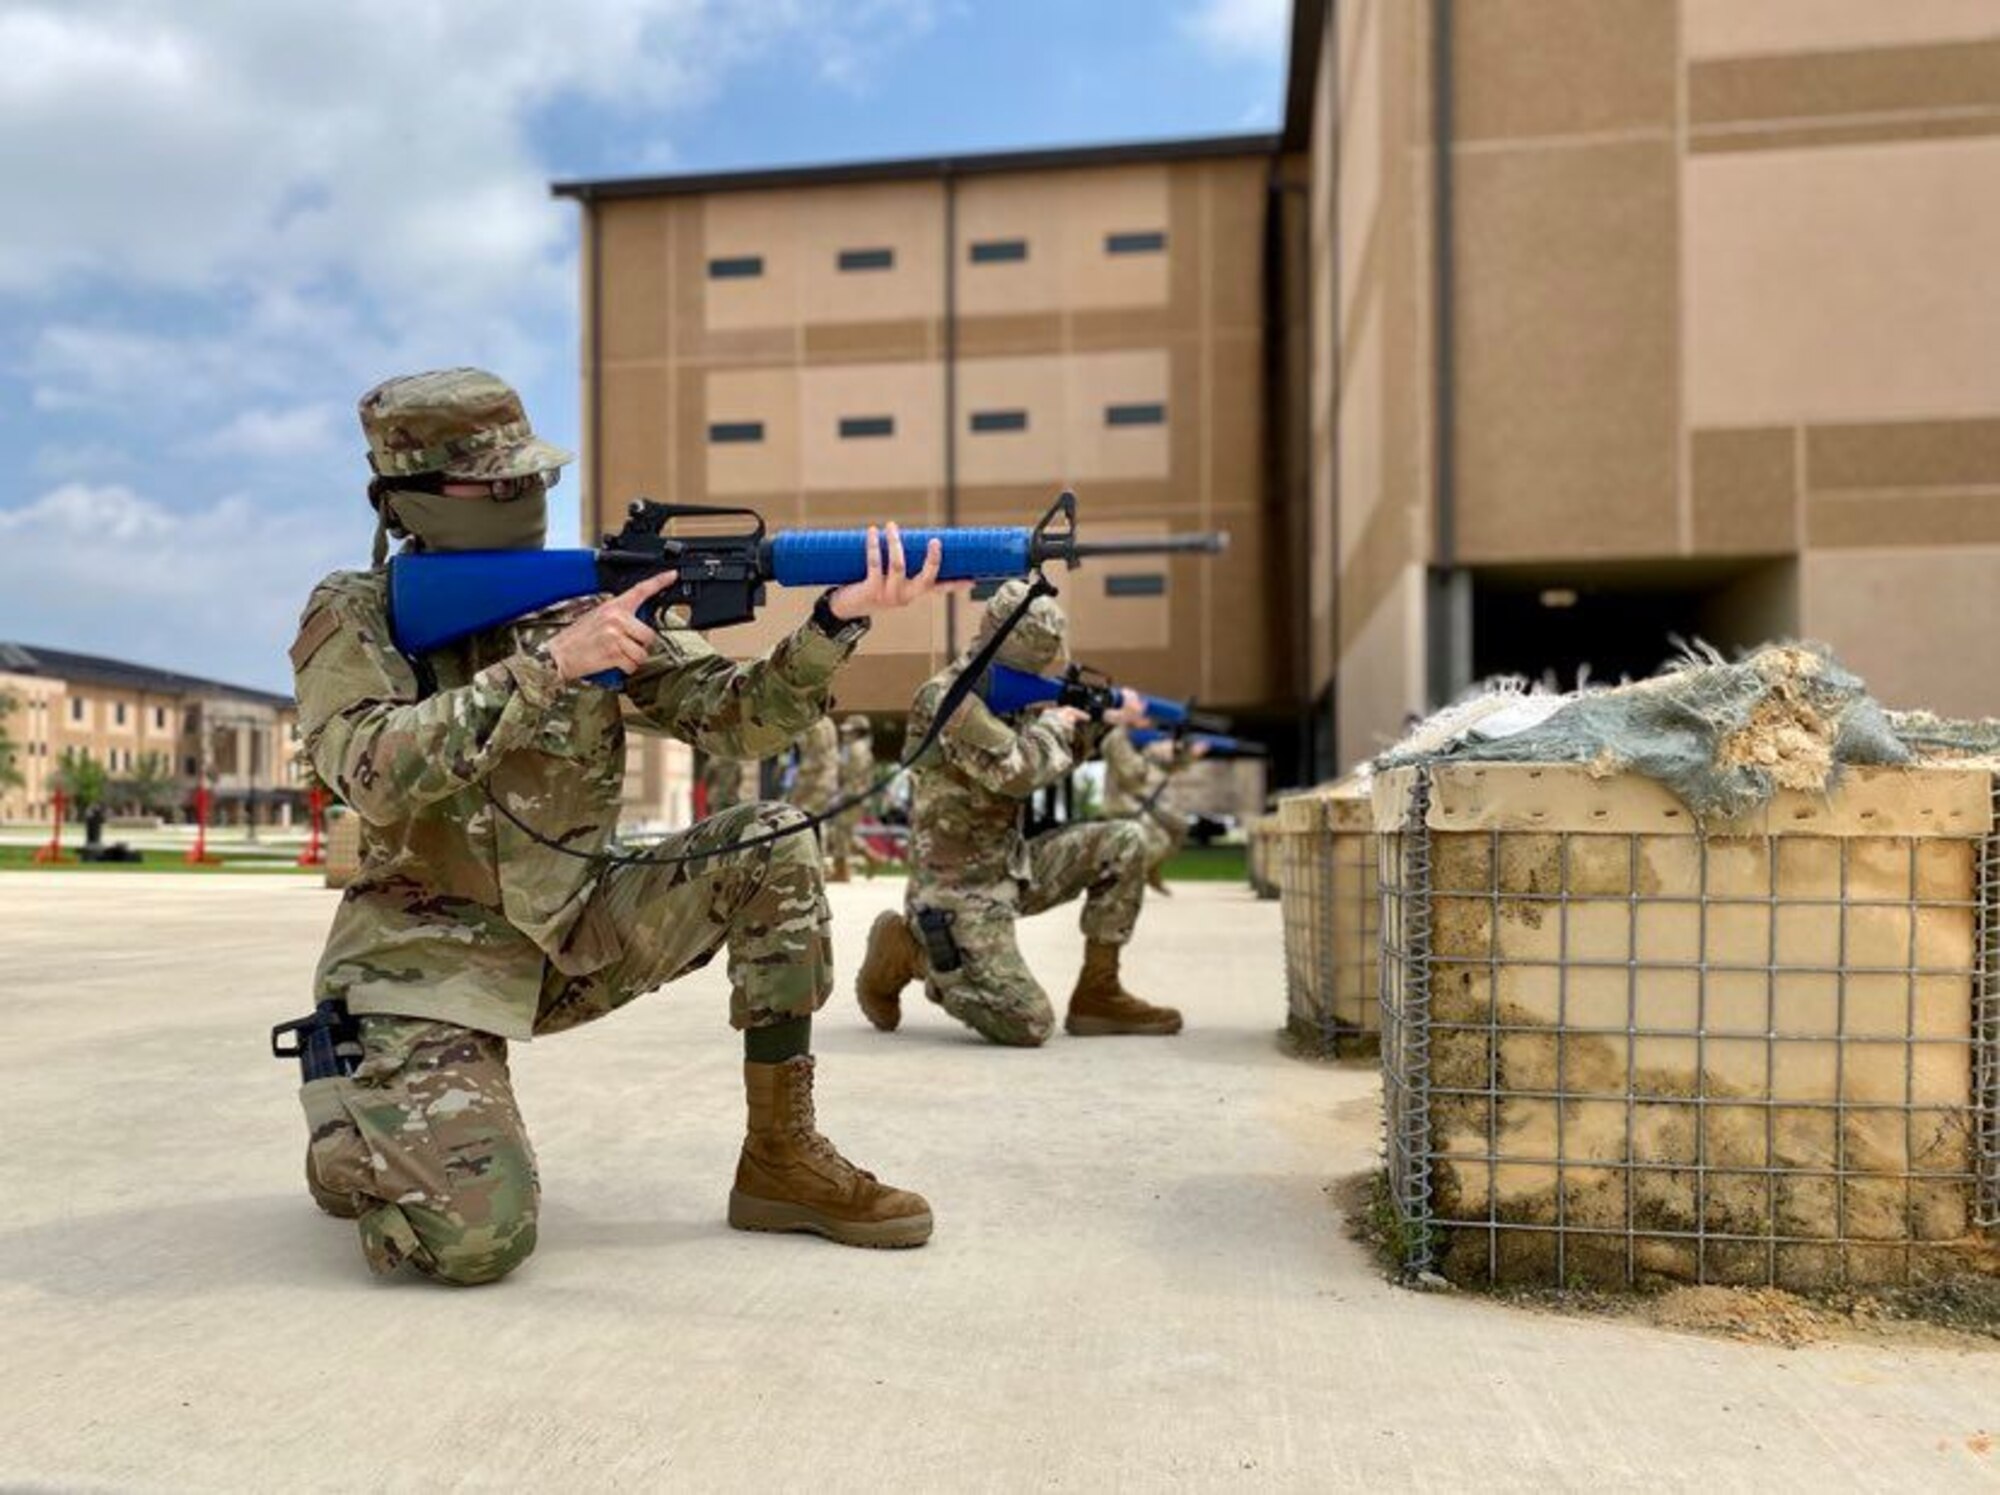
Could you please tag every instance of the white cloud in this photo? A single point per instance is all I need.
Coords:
(229, 579)
(1255, 29)
(300, 431)
(227, 218)
(383, 141)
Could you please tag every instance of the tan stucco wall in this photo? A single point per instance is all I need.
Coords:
(1722, 288)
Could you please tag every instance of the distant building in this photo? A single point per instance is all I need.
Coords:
(1543, 331)
(242, 743)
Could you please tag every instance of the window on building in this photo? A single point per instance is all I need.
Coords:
(190, 767)
(1152, 241)
(190, 722)
(118, 714)
(159, 718)
(1148, 584)
(1135, 415)
(999, 251)
(987, 421)
(736, 267)
(853, 426)
(736, 430)
(75, 708)
(867, 259)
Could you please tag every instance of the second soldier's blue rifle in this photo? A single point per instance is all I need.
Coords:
(438, 598)
(1006, 691)
(1218, 744)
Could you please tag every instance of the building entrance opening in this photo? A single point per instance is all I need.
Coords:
(1603, 622)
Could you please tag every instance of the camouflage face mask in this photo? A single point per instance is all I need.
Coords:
(442, 523)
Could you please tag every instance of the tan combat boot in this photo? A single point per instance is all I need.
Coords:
(893, 961)
(1100, 1006)
(840, 872)
(1158, 882)
(789, 1177)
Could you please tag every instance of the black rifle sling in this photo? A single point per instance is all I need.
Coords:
(961, 686)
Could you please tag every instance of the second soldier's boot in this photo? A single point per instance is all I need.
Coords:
(840, 872)
(893, 961)
(789, 1177)
(1100, 1006)
(1157, 882)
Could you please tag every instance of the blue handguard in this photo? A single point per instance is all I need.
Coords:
(833, 557)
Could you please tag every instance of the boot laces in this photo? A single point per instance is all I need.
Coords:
(803, 1126)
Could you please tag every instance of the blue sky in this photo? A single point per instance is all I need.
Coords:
(226, 218)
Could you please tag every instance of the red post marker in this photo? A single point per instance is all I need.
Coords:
(53, 852)
(315, 853)
(198, 854)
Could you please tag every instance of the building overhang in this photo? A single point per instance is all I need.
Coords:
(919, 168)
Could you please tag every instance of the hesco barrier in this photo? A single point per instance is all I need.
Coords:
(343, 849)
(1263, 856)
(1326, 877)
(1617, 1046)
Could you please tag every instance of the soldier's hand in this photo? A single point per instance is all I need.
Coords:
(882, 590)
(610, 636)
(1069, 718)
(1131, 710)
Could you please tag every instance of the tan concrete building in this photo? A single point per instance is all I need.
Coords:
(1634, 318)
(243, 743)
(954, 342)
(1544, 333)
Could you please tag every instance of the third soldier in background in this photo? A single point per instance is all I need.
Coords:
(973, 873)
(1136, 780)
(818, 778)
(857, 772)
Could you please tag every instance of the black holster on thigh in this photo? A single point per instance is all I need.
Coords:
(940, 945)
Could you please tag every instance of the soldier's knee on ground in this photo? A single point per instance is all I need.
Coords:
(467, 1244)
(1023, 1023)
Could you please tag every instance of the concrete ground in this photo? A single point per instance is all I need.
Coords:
(1138, 1281)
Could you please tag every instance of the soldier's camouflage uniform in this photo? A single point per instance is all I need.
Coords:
(970, 863)
(1136, 783)
(857, 772)
(461, 933)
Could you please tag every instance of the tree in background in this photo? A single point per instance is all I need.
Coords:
(82, 779)
(10, 752)
(149, 787)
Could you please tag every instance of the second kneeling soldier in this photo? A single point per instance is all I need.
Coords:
(973, 872)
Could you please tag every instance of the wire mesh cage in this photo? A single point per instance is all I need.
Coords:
(1326, 876)
(1617, 1046)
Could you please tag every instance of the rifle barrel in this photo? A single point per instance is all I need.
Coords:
(1212, 543)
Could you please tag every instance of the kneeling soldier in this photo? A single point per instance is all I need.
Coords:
(463, 932)
(972, 872)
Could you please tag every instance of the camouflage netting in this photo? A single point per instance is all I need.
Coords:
(1723, 737)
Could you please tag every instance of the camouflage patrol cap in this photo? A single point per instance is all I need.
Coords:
(464, 423)
(1038, 639)
(856, 725)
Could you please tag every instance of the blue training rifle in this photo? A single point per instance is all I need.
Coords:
(437, 598)
(1006, 691)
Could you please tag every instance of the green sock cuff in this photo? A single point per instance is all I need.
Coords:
(779, 1041)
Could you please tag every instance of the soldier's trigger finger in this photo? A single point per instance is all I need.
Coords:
(633, 596)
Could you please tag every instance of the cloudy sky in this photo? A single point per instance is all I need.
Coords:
(226, 218)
